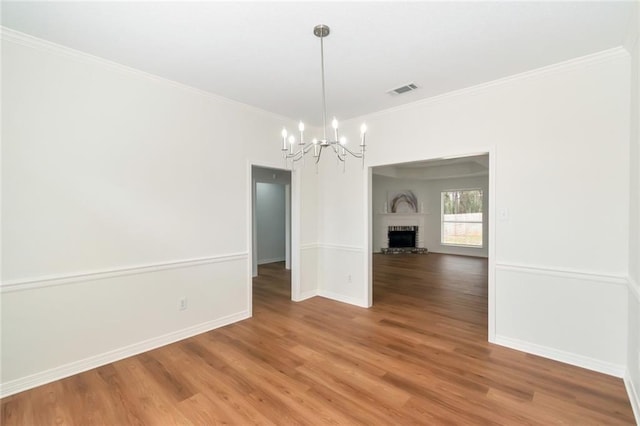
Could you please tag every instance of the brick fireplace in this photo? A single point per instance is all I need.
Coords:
(402, 230)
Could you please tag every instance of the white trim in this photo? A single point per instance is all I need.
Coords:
(491, 249)
(13, 36)
(309, 246)
(342, 298)
(287, 225)
(306, 295)
(66, 370)
(252, 264)
(56, 280)
(275, 259)
(354, 249)
(462, 245)
(634, 396)
(633, 288)
(563, 273)
(294, 181)
(368, 235)
(594, 58)
(296, 232)
(617, 370)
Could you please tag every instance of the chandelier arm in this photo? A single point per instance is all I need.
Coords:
(337, 151)
(295, 156)
(355, 154)
(299, 154)
(319, 154)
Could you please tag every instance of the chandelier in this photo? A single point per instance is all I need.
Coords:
(337, 143)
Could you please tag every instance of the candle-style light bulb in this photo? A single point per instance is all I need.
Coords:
(334, 124)
(292, 140)
(363, 132)
(343, 142)
(284, 139)
(301, 129)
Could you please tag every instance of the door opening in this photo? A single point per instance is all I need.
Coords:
(271, 235)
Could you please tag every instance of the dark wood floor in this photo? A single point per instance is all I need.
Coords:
(419, 356)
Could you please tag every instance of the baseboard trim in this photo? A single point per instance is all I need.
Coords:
(306, 295)
(66, 370)
(634, 396)
(342, 298)
(562, 356)
(56, 280)
(275, 259)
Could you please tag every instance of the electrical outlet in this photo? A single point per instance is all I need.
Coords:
(349, 278)
(182, 304)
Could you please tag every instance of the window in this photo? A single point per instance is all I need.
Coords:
(462, 217)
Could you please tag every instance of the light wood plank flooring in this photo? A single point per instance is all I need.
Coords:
(419, 356)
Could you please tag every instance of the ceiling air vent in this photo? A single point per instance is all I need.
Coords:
(403, 89)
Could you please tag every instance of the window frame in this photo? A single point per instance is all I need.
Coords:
(442, 221)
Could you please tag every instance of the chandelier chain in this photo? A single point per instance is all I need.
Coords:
(324, 96)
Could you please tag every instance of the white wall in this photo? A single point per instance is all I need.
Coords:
(270, 222)
(429, 198)
(122, 193)
(558, 141)
(341, 226)
(633, 353)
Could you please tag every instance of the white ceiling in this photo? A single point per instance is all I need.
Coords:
(265, 54)
(441, 168)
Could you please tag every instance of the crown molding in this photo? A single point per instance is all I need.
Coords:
(17, 37)
(591, 59)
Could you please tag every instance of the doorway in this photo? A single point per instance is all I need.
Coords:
(270, 218)
(409, 196)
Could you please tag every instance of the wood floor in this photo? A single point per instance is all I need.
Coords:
(419, 356)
